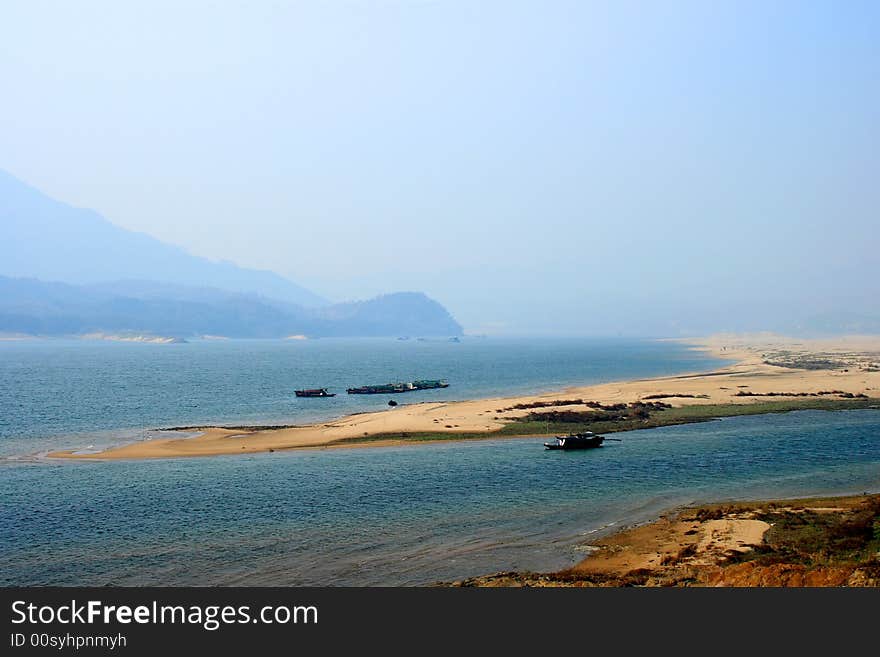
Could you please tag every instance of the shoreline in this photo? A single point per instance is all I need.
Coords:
(767, 374)
(790, 542)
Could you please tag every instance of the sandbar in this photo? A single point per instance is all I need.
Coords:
(763, 367)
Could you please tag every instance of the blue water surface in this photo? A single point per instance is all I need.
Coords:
(402, 515)
(75, 393)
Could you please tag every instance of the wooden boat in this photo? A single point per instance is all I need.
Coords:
(586, 440)
(314, 392)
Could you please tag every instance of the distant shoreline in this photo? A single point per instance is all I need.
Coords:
(769, 374)
(125, 337)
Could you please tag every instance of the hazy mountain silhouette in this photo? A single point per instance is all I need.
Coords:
(35, 307)
(46, 239)
(119, 281)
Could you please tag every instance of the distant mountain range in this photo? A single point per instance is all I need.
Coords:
(117, 281)
(33, 307)
(49, 240)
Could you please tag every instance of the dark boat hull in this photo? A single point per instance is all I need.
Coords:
(575, 442)
(397, 388)
(378, 390)
(314, 393)
(429, 385)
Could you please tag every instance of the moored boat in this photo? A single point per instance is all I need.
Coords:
(385, 389)
(394, 388)
(586, 440)
(429, 384)
(314, 392)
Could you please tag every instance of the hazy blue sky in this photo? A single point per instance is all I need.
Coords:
(535, 166)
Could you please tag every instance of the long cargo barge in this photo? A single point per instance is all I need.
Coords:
(394, 388)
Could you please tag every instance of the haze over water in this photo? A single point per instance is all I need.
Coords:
(568, 167)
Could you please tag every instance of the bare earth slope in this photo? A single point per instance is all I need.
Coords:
(816, 542)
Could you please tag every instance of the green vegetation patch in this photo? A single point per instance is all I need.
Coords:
(619, 417)
(814, 538)
(648, 418)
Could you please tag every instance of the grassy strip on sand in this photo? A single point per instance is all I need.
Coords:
(523, 427)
